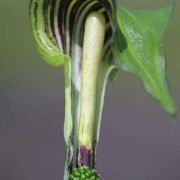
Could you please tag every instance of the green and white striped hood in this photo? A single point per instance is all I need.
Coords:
(58, 26)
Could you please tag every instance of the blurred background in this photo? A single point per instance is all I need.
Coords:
(139, 141)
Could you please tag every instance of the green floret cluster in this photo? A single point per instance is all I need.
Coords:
(84, 173)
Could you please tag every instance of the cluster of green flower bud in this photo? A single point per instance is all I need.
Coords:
(84, 173)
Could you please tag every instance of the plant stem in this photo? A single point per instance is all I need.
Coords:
(92, 54)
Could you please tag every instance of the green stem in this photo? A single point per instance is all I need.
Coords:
(92, 54)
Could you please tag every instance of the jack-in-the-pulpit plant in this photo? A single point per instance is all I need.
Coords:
(93, 39)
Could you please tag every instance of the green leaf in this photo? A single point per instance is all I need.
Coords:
(138, 49)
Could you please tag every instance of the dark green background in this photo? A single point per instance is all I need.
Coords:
(138, 139)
